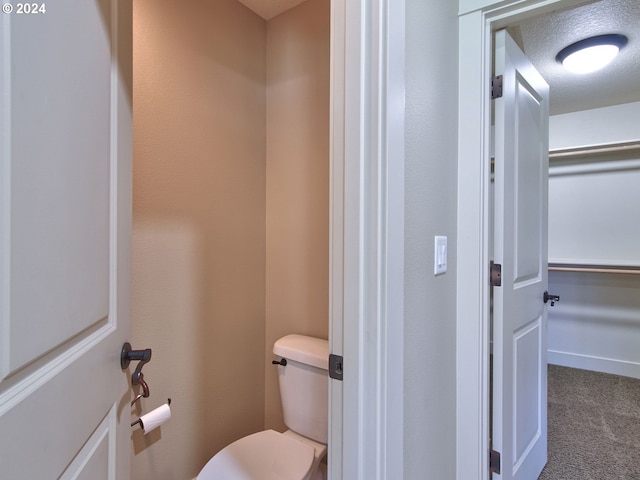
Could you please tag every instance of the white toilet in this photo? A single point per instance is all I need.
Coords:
(297, 453)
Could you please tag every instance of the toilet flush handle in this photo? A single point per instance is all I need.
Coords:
(282, 362)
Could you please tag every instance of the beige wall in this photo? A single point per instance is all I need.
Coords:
(199, 219)
(297, 231)
(230, 245)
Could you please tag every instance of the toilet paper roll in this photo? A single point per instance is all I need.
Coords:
(155, 418)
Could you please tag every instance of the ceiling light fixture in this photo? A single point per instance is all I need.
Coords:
(591, 54)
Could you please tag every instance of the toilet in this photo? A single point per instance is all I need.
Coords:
(296, 454)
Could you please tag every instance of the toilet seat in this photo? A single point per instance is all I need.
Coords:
(266, 455)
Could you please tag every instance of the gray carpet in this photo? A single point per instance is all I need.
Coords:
(594, 426)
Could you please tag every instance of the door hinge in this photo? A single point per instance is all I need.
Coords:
(496, 87)
(494, 462)
(495, 275)
(335, 367)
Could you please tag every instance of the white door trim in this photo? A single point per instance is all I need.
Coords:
(367, 238)
(478, 19)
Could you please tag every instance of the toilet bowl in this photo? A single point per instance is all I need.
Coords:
(297, 453)
(266, 455)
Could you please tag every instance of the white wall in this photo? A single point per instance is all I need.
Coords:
(618, 123)
(593, 198)
(594, 212)
(596, 324)
(430, 209)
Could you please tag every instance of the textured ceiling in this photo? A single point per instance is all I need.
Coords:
(270, 8)
(541, 38)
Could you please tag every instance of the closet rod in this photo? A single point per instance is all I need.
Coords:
(594, 150)
(593, 269)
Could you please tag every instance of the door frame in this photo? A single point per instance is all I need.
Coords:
(478, 19)
(366, 324)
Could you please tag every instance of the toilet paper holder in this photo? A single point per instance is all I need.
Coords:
(139, 421)
(127, 354)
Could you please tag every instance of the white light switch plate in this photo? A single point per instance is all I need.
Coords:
(440, 255)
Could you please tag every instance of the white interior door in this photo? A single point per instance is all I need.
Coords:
(65, 201)
(520, 246)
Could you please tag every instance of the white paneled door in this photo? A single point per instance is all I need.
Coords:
(65, 213)
(520, 236)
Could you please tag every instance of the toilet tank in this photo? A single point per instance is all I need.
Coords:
(304, 385)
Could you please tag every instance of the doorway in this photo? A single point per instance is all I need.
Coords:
(476, 26)
(592, 184)
(230, 227)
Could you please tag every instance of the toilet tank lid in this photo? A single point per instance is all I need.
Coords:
(307, 350)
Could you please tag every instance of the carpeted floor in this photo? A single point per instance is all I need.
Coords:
(594, 426)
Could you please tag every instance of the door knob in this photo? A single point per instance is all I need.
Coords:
(547, 297)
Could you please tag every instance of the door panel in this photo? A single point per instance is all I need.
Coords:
(92, 462)
(65, 213)
(527, 406)
(527, 179)
(58, 131)
(520, 246)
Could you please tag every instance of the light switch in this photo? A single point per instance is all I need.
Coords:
(440, 255)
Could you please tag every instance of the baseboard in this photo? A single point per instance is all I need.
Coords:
(596, 364)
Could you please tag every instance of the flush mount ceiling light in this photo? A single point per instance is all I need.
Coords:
(591, 54)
